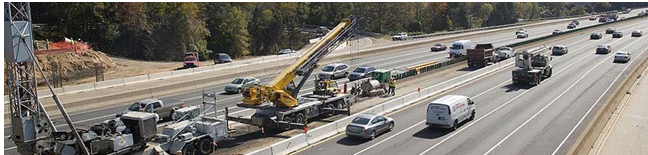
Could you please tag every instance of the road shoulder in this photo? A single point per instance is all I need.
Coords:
(626, 131)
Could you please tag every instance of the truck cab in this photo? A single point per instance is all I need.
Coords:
(190, 60)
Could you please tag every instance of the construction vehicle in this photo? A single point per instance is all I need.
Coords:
(32, 129)
(480, 56)
(532, 67)
(278, 103)
(374, 86)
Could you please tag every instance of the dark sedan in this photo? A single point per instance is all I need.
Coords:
(596, 35)
(617, 34)
(438, 47)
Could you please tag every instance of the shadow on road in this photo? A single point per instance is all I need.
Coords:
(351, 141)
(467, 69)
(431, 133)
(515, 87)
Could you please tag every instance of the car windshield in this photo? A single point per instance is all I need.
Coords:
(285, 51)
(360, 120)
(134, 107)
(359, 70)
(456, 47)
(602, 46)
(223, 56)
(237, 81)
(328, 69)
(620, 53)
(190, 59)
(437, 44)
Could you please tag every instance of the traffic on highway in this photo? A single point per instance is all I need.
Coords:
(534, 87)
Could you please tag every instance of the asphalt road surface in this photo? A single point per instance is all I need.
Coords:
(392, 60)
(512, 119)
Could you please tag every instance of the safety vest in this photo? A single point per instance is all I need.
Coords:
(392, 83)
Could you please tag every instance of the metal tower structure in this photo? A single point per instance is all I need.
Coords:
(30, 123)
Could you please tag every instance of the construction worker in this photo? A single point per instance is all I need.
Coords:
(392, 86)
(47, 42)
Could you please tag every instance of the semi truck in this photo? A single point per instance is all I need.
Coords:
(532, 67)
(480, 56)
(278, 103)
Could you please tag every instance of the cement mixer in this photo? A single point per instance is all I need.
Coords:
(376, 85)
(372, 88)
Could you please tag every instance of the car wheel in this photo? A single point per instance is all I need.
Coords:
(472, 116)
(391, 126)
(456, 125)
(346, 74)
(373, 135)
(238, 91)
(331, 78)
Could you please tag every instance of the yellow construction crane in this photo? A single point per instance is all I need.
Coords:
(279, 91)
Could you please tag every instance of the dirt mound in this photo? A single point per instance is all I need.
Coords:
(74, 65)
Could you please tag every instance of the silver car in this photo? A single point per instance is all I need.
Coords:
(369, 125)
(333, 71)
(239, 83)
(504, 53)
(622, 56)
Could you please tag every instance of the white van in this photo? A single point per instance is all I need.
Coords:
(458, 48)
(450, 110)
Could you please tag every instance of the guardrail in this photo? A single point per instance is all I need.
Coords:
(158, 76)
(588, 137)
(494, 27)
(302, 140)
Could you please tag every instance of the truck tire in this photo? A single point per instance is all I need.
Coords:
(205, 146)
(188, 149)
(287, 119)
(300, 118)
(330, 113)
(455, 125)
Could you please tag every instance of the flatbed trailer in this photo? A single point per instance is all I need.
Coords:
(310, 106)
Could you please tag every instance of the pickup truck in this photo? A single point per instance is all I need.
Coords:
(400, 36)
(190, 60)
(155, 106)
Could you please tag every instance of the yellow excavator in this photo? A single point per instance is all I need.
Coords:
(278, 91)
(278, 103)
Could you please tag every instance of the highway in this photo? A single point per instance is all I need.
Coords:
(397, 59)
(512, 119)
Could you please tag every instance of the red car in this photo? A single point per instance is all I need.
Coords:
(438, 47)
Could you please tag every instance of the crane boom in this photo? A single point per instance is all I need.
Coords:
(276, 91)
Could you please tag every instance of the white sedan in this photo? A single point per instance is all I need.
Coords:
(622, 56)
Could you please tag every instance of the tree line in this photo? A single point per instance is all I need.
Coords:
(164, 31)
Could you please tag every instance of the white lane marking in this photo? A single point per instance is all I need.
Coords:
(555, 99)
(419, 123)
(467, 126)
(592, 107)
(392, 136)
(10, 148)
